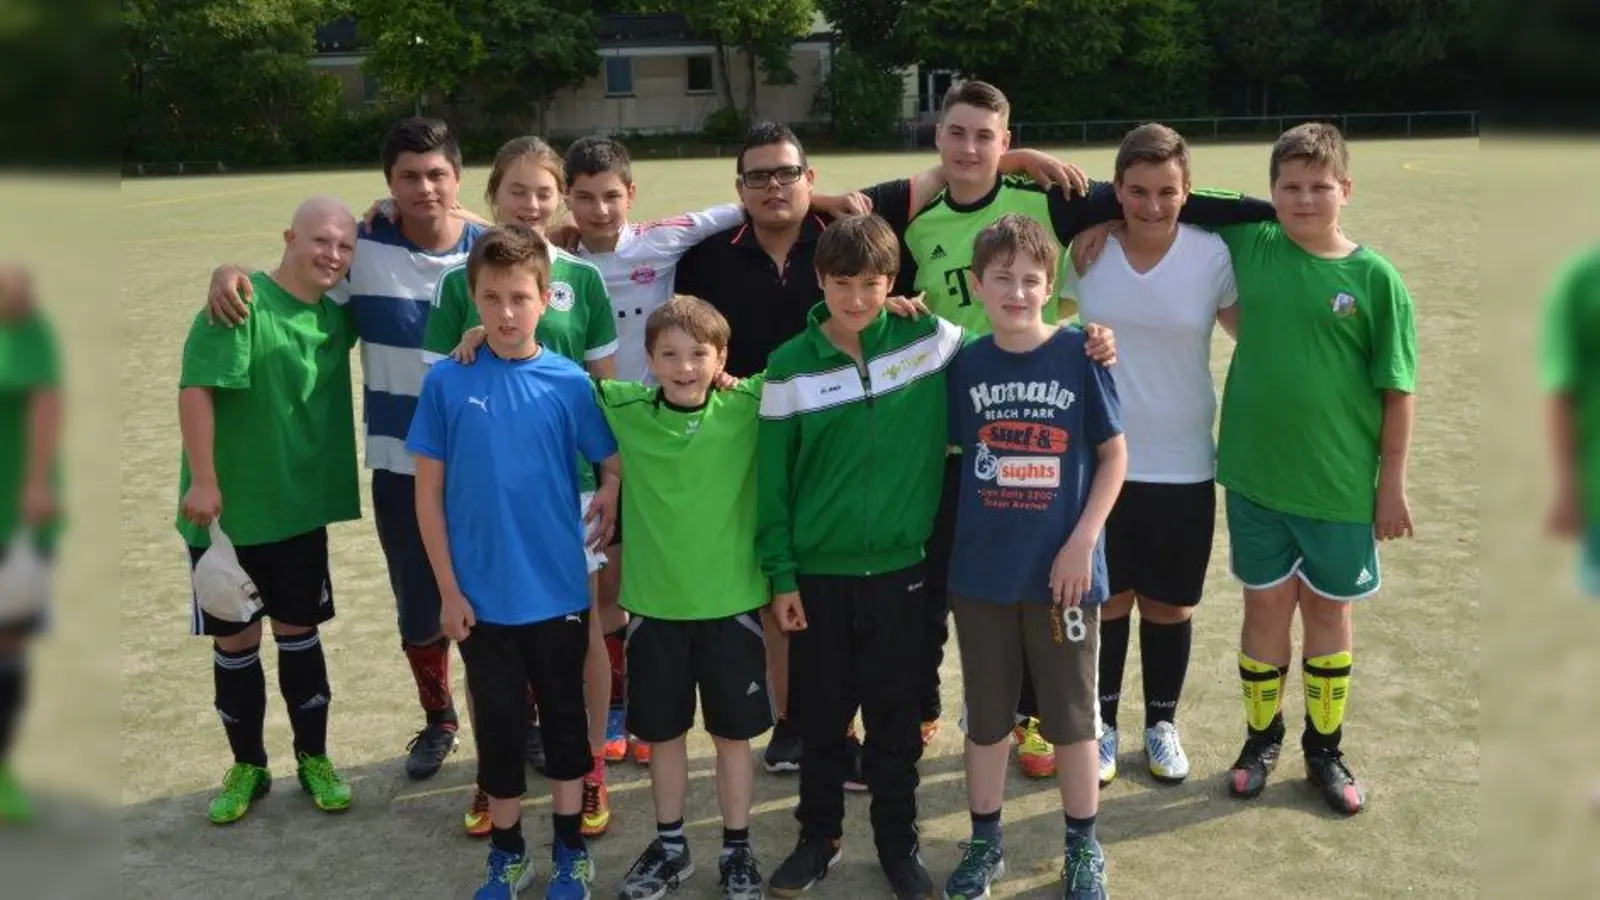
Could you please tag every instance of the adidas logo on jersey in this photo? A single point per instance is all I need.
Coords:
(753, 689)
(938, 252)
(1365, 578)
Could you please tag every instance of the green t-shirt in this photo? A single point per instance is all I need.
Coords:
(1320, 340)
(940, 237)
(689, 498)
(28, 364)
(1569, 363)
(285, 441)
(578, 323)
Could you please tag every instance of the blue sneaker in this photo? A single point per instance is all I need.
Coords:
(506, 876)
(616, 749)
(573, 874)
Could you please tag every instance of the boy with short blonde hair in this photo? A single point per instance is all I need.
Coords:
(1039, 430)
(1316, 429)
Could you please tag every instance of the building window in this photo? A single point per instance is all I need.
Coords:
(619, 76)
(698, 77)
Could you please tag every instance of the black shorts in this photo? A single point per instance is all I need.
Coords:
(502, 661)
(291, 577)
(416, 594)
(1158, 540)
(725, 658)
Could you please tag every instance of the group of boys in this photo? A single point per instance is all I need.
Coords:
(873, 472)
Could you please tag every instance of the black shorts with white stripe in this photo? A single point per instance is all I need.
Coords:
(725, 659)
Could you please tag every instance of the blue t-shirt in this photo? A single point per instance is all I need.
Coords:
(1029, 426)
(507, 432)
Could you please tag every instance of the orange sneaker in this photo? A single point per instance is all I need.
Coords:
(596, 815)
(476, 820)
(930, 729)
(641, 752)
(1035, 756)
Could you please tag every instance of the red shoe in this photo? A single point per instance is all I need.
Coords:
(641, 752)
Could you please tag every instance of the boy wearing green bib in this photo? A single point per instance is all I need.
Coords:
(1569, 370)
(1316, 428)
(269, 455)
(30, 430)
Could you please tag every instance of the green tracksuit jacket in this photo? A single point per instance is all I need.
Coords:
(850, 462)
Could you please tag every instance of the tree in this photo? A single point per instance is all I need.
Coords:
(1267, 42)
(223, 79)
(1028, 48)
(510, 56)
(871, 30)
(765, 30)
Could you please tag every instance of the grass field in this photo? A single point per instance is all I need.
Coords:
(1412, 732)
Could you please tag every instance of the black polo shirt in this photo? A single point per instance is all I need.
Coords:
(766, 305)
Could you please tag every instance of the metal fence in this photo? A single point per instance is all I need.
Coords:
(1420, 123)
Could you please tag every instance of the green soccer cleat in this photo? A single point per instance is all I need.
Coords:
(15, 807)
(244, 784)
(322, 781)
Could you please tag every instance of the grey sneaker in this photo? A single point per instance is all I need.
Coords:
(740, 876)
(655, 873)
(1108, 756)
(982, 862)
(1083, 876)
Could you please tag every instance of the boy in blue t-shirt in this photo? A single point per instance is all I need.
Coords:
(497, 503)
(1039, 423)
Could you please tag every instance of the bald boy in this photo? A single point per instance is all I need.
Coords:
(269, 460)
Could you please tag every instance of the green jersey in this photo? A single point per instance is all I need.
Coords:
(285, 442)
(1569, 363)
(1320, 341)
(578, 323)
(28, 365)
(689, 497)
(938, 239)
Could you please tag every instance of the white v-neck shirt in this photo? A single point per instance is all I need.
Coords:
(1163, 322)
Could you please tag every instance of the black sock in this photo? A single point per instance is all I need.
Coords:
(1080, 829)
(986, 826)
(13, 692)
(1313, 741)
(509, 840)
(303, 679)
(734, 839)
(1113, 658)
(566, 828)
(672, 839)
(1164, 658)
(241, 701)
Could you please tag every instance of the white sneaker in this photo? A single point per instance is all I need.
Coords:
(1108, 756)
(1167, 760)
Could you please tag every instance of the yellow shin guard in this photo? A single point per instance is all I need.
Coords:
(1327, 681)
(1262, 685)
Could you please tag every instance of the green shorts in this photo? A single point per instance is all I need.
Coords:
(1338, 560)
(1589, 562)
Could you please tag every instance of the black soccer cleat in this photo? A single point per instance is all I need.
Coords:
(1326, 770)
(429, 749)
(1248, 776)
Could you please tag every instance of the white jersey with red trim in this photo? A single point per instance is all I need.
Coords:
(639, 275)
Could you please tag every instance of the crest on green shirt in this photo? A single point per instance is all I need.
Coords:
(561, 296)
(1344, 305)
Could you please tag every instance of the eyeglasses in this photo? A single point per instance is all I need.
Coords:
(760, 178)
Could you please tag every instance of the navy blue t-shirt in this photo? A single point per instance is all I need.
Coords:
(1029, 425)
(507, 432)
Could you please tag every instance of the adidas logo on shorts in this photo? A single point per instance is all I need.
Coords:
(752, 689)
(1365, 578)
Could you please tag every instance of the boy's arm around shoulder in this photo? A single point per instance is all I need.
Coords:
(777, 449)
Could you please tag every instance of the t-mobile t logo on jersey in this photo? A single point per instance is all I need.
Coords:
(955, 284)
